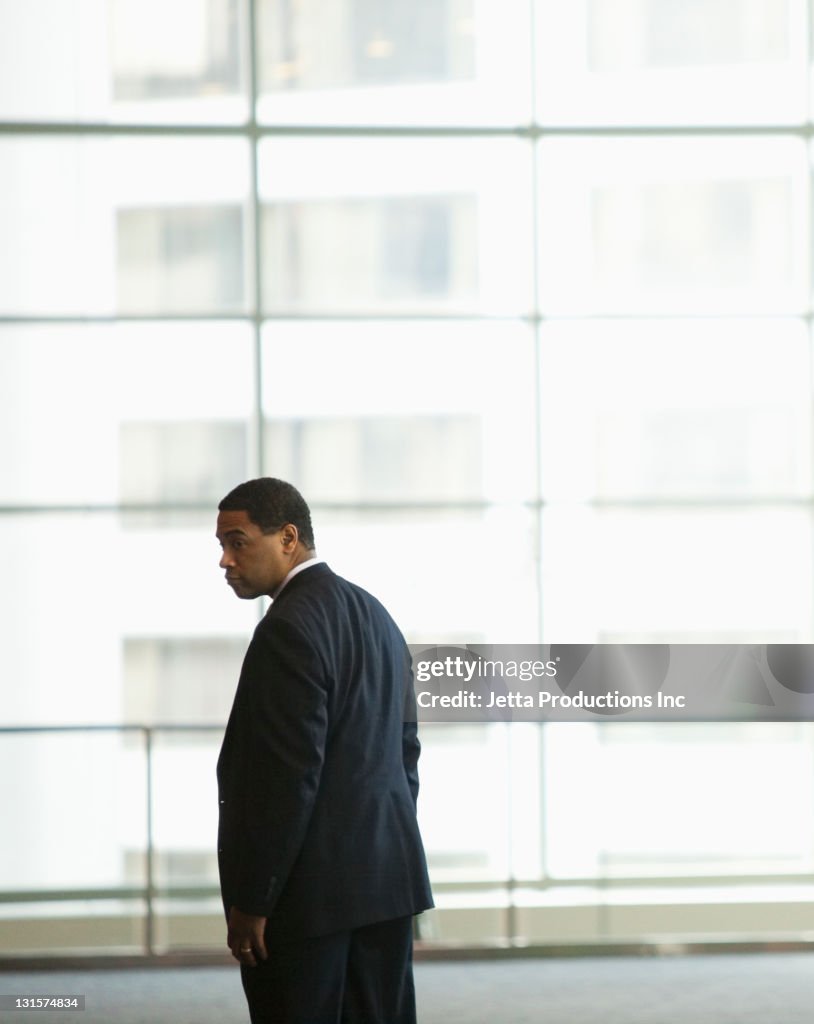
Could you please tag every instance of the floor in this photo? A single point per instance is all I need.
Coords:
(746, 988)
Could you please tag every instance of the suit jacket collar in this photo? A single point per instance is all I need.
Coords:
(311, 573)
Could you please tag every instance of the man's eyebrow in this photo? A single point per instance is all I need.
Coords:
(237, 532)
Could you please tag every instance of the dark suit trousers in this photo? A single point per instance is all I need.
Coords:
(364, 976)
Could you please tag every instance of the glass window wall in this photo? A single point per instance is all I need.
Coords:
(520, 295)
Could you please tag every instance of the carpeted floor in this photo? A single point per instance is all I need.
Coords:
(746, 988)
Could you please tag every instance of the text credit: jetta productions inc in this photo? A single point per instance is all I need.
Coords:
(628, 682)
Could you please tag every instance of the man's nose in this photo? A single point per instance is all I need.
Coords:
(225, 560)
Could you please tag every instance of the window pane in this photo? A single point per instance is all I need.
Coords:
(390, 62)
(171, 257)
(469, 843)
(122, 60)
(180, 679)
(673, 224)
(663, 62)
(185, 817)
(135, 225)
(105, 414)
(679, 575)
(681, 408)
(108, 771)
(425, 411)
(376, 225)
(428, 569)
(116, 585)
(689, 799)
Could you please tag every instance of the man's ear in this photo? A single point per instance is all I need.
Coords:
(290, 536)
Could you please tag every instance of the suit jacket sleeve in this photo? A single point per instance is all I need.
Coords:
(410, 747)
(284, 707)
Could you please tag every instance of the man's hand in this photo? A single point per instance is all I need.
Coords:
(245, 937)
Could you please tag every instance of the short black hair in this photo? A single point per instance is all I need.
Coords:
(270, 504)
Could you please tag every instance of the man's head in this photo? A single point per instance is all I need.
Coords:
(264, 528)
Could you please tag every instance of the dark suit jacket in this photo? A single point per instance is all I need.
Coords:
(317, 773)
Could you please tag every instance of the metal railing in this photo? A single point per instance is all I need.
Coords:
(152, 890)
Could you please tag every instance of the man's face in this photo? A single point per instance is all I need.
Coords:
(255, 562)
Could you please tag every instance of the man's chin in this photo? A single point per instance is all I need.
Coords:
(241, 591)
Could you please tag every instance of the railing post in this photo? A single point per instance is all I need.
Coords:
(149, 924)
(511, 882)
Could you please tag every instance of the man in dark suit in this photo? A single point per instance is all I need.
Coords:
(321, 862)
